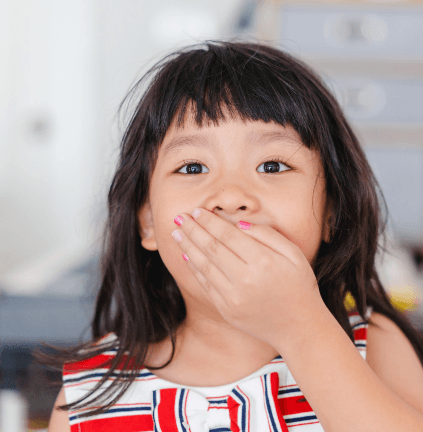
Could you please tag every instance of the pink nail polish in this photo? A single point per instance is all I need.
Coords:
(177, 236)
(196, 213)
(179, 220)
(185, 257)
(244, 225)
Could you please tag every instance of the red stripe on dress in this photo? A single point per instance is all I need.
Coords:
(292, 405)
(91, 363)
(360, 334)
(99, 361)
(233, 406)
(137, 423)
(185, 406)
(302, 424)
(274, 385)
(166, 410)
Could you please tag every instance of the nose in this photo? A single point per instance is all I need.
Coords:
(232, 197)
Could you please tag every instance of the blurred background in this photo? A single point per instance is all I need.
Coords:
(66, 66)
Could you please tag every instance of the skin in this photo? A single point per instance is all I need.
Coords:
(287, 208)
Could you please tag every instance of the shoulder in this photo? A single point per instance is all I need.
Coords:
(97, 359)
(88, 368)
(392, 357)
(59, 421)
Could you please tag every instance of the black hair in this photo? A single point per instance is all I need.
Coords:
(138, 299)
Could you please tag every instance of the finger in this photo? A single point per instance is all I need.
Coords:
(202, 280)
(274, 240)
(214, 294)
(212, 251)
(252, 247)
(212, 274)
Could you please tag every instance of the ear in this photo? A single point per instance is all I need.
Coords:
(146, 228)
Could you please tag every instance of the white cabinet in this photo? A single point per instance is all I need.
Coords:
(371, 56)
(49, 136)
(359, 31)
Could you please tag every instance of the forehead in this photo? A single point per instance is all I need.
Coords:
(190, 134)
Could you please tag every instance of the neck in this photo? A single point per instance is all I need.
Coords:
(209, 352)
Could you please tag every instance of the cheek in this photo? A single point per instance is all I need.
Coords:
(171, 255)
(169, 250)
(313, 235)
(301, 222)
(307, 236)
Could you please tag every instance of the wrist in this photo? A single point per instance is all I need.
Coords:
(307, 325)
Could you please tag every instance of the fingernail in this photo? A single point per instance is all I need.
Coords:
(244, 225)
(179, 220)
(177, 235)
(196, 213)
(185, 257)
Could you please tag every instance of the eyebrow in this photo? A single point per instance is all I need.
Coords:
(254, 137)
(197, 140)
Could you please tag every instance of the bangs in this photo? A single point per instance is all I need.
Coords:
(211, 85)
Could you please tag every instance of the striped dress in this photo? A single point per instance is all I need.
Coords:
(267, 400)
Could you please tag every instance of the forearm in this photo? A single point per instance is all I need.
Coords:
(343, 391)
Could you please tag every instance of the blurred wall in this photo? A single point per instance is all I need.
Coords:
(66, 66)
(49, 125)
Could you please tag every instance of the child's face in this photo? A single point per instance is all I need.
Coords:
(230, 180)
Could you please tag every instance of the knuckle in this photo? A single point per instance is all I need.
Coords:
(237, 301)
(227, 233)
(207, 285)
(211, 247)
(246, 279)
(265, 262)
(188, 249)
(192, 230)
(205, 268)
(251, 277)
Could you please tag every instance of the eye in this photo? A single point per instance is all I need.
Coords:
(193, 167)
(272, 165)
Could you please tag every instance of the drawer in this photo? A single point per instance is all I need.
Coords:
(399, 172)
(49, 318)
(367, 100)
(351, 31)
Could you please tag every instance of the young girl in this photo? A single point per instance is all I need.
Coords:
(242, 214)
